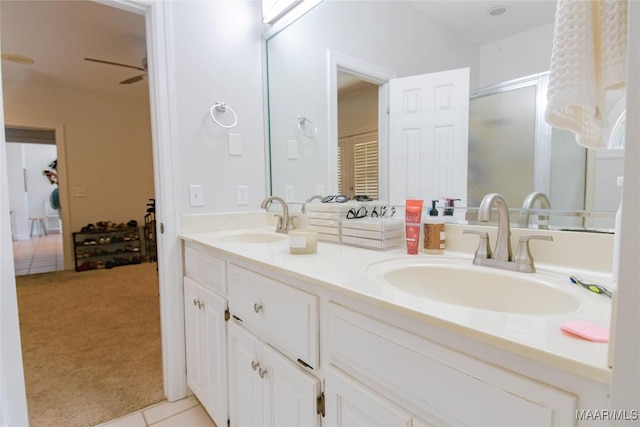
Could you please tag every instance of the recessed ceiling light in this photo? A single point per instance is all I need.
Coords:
(497, 10)
(18, 59)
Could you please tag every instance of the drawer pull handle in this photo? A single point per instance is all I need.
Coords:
(262, 372)
(257, 307)
(254, 365)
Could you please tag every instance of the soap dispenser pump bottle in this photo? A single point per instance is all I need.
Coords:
(434, 234)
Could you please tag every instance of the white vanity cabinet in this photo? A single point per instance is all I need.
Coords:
(205, 311)
(273, 345)
(433, 382)
(266, 388)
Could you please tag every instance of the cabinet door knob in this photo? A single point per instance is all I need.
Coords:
(262, 372)
(254, 365)
(257, 307)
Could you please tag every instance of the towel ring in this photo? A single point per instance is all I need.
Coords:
(301, 121)
(222, 108)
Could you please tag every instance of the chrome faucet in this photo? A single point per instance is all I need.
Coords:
(501, 257)
(309, 200)
(502, 251)
(529, 201)
(285, 221)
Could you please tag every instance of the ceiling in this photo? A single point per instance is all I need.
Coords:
(57, 35)
(472, 21)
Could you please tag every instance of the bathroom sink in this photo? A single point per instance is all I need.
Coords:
(253, 237)
(476, 287)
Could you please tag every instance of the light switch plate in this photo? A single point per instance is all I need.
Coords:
(79, 191)
(292, 149)
(235, 144)
(196, 195)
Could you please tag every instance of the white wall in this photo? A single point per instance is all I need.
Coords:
(108, 147)
(520, 55)
(217, 57)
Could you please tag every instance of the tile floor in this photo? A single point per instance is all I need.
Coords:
(40, 254)
(182, 413)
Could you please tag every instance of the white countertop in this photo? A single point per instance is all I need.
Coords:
(343, 268)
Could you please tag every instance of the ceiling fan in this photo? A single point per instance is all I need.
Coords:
(131, 79)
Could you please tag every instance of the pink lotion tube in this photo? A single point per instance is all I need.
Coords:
(412, 219)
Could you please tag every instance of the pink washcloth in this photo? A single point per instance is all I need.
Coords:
(586, 330)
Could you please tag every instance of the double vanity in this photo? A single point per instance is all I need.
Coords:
(350, 336)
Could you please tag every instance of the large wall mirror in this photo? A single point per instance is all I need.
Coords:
(328, 98)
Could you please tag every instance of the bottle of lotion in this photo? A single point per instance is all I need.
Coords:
(434, 235)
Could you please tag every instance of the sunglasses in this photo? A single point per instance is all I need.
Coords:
(362, 198)
(359, 213)
(383, 212)
(335, 199)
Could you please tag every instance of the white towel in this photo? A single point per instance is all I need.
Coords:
(589, 56)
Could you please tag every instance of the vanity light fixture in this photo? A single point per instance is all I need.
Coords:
(497, 10)
(272, 10)
(18, 59)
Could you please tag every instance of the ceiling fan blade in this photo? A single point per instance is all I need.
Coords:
(114, 63)
(133, 79)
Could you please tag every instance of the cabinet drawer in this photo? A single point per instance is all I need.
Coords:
(206, 269)
(284, 316)
(442, 385)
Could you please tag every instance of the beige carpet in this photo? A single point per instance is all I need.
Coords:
(90, 344)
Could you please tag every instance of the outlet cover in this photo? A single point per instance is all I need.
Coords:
(242, 195)
(196, 195)
(288, 193)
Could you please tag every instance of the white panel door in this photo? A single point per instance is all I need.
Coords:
(245, 385)
(213, 307)
(351, 404)
(290, 392)
(193, 333)
(428, 136)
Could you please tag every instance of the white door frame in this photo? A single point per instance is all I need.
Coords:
(370, 73)
(13, 405)
(161, 94)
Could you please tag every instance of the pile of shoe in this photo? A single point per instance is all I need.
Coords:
(102, 226)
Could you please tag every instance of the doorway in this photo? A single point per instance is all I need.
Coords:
(345, 72)
(357, 136)
(100, 172)
(36, 226)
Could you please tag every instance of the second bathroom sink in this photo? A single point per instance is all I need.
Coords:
(475, 287)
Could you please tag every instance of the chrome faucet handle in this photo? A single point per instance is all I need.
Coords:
(280, 228)
(290, 223)
(523, 254)
(484, 247)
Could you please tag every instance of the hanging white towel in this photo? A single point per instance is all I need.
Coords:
(589, 56)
